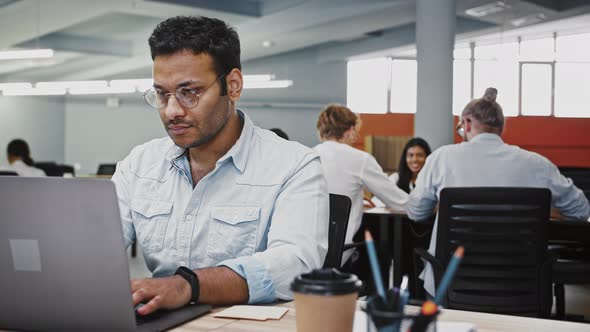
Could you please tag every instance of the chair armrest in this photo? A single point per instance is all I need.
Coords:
(353, 245)
(437, 267)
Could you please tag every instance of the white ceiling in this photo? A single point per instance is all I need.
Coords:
(108, 39)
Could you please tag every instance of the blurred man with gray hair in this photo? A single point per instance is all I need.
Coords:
(484, 160)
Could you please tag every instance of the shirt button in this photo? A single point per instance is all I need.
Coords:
(189, 218)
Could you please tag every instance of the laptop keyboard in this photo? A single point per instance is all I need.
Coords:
(143, 319)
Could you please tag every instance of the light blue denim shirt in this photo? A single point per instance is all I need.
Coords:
(486, 161)
(262, 212)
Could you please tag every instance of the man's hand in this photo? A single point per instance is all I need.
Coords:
(160, 293)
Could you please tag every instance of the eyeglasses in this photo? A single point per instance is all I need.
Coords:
(186, 97)
(459, 128)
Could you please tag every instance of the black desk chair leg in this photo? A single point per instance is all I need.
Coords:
(559, 291)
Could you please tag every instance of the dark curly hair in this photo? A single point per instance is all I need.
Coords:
(20, 148)
(199, 35)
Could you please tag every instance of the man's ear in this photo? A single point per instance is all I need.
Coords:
(235, 84)
(467, 126)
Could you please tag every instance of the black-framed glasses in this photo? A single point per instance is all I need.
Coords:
(186, 96)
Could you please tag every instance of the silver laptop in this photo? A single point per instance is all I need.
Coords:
(63, 265)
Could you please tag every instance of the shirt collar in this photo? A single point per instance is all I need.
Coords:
(238, 152)
(18, 163)
(486, 137)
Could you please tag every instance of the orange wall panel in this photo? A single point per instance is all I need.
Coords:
(564, 141)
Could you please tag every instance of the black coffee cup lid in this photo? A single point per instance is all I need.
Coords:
(326, 282)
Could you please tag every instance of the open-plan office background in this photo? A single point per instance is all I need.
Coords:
(537, 53)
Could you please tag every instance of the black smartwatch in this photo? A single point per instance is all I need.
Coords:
(192, 279)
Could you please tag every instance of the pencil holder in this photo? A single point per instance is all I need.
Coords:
(382, 317)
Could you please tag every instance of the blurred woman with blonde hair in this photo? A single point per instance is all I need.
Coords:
(348, 170)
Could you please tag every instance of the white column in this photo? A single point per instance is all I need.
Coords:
(435, 39)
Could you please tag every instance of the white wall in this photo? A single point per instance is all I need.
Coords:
(37, 120)
(97, 134)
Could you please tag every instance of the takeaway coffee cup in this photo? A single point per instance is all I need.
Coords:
(325, 300)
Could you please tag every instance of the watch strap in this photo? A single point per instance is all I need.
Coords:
(191, 277)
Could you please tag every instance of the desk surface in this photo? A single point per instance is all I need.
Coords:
(484, 322)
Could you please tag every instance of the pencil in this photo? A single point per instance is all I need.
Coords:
(374, 264)
(448, 276)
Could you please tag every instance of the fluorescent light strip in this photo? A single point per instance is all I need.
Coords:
(34, 92)
(140, 84)
(258, 78)
(26, 54)
(101, 90)
(268, 84)
(117, 86)
(72, 84)
(8, 86)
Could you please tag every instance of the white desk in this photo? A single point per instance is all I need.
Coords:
(484, 323)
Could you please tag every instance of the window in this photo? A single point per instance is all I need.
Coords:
(536, 89)
(572, 83)
(497, 52)
(366, 90)
(574, 48)
(461, 85)
(502, 75)
(534, 77)
(537, 50)
(404, 76)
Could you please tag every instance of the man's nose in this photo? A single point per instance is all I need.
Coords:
(173, 109)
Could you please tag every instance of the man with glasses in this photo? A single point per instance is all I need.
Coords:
(225, 212)
(484, 160)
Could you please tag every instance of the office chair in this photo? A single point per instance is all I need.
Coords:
(106, 169)
(570, 242)
(506, 268)
(51, 168)
(8, 173)
(339, 215)
(63, 169)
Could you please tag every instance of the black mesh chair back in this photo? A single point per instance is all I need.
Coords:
(504, 231)
(50, 168)
(66, 169)
(339, 215)
(53, 169)
(8, 173)
(106, 169)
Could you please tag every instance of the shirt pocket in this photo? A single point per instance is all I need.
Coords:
(150, 219)
(233, 231)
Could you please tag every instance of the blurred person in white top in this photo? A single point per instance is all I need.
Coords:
(19, 160)
(349, 170)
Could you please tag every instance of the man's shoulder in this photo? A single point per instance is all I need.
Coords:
(155, 145)
(266, 142)
(149, 153)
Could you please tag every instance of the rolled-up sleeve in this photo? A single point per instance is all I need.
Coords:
(297, 238)
(565, 196)
(423, 198)
(380, 185)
